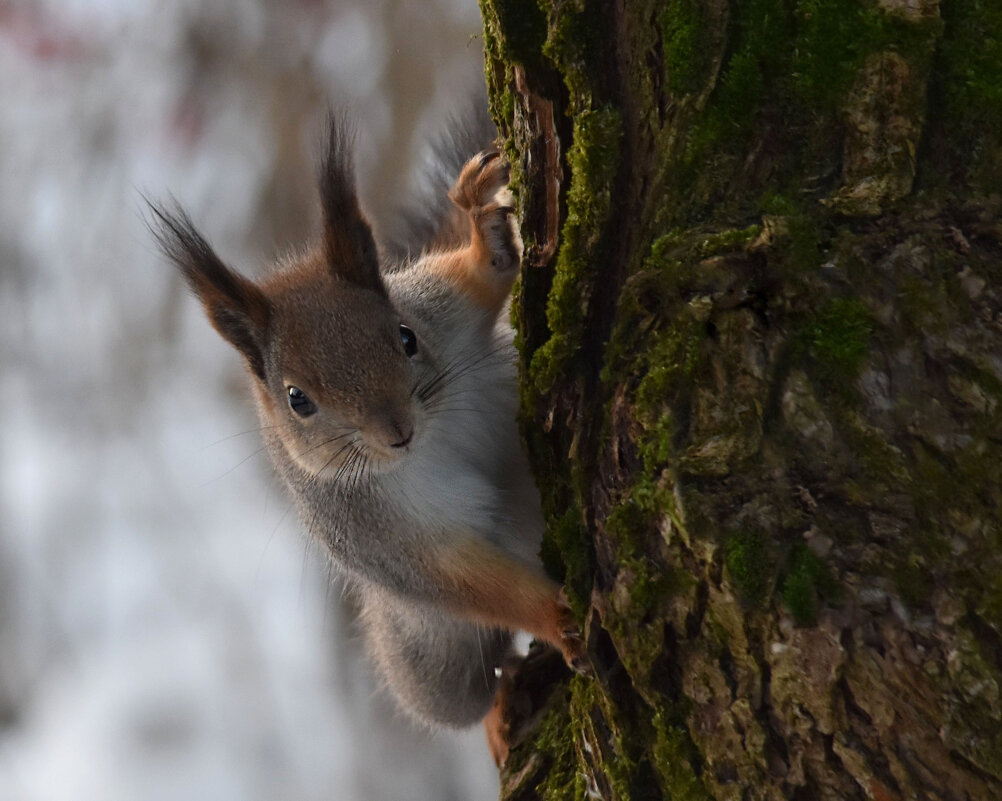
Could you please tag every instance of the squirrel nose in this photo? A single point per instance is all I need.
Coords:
(404, 442)
(404, 439)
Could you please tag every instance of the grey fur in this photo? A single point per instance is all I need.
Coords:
(441, 669)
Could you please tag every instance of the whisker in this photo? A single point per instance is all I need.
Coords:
(314, 478)
(459, 368)
(321, 444)
(223, 475)
(234, 436)
(457, 363)
(438, 409)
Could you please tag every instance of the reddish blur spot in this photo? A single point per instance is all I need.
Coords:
(39, 37)
(187, 120)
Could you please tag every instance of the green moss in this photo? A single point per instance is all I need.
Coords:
(837, 338)
(563, 780)
(835, 36)
(672, 360)
(683, 40)
(808, 581)
(760, 43)
(750, 565)
(628, 520)
(658, 337)
(497, 74)
(594, 161)
(631, 747)
(729, 240)
(974, 732)
(967, 86)
(784, 78)
(567, 555)
(575, 29)
(590, 710)
(634, 616)
(674, 756)
(519, 28)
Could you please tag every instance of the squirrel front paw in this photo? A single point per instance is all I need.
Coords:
(479, 192)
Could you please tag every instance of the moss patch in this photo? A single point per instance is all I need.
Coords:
(563, 781)
(683, 39)
(594, 160)
(750, 565)
(519, 28)
(967, 84)
(674, 756)
(837, 340)
(808, 581)
(567, 555)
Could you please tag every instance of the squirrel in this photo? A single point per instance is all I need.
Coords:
(387, 399)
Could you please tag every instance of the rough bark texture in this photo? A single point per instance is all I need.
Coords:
(761, 329)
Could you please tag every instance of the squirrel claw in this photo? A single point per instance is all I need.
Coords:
(572, 644)
(575, 654)
(582, 666)
(480, 180)
(487, 157)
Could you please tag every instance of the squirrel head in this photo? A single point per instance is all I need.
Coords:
(335, 366)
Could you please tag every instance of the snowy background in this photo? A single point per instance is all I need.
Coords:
(165, 630)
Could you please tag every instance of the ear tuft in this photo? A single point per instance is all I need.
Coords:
(348, 243)
(236, 307)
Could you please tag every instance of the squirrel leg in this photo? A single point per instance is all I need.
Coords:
(481, 583)
(485, 269)
(497, 724)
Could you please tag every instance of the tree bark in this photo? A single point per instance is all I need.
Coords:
(760, 322)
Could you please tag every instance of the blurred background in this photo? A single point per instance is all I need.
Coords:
(166, 630)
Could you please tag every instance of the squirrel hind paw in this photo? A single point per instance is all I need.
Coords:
(497, 722)
(498, 731)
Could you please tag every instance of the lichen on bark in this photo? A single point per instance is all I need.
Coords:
(762, 391)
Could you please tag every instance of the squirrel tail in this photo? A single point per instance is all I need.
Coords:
(429, 220)
(440, 669)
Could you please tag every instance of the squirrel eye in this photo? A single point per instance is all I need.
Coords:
(409, 338)
(299, 403)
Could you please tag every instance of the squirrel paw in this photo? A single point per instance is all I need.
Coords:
(494, 224)
(479, 192)
(497, 724)
(572, 644)
(480, 180)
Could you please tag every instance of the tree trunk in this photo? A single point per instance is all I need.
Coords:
(761, 335)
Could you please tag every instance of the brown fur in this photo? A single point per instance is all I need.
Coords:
(484, 585)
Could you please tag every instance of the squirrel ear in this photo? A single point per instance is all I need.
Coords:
(348, 243)
(236, 307)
